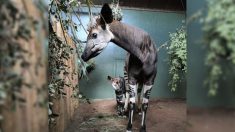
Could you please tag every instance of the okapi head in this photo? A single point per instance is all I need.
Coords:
(99, 33)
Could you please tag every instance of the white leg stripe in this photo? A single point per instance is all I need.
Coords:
(133, 89)
(132, 86)
(146, 87)
(142, 123)
(145, 100)
(132, 99)
(126, 101)
(132, 115)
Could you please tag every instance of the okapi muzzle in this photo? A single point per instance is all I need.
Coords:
(97, 41)
(90, 51)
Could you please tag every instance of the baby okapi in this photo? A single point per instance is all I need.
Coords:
(142, 60)
(120, 86)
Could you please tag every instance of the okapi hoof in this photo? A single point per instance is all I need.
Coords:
(124, 116)
(143, 129)
(129, 128)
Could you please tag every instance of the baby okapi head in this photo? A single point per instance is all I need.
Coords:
(116, 82)
(99, 33)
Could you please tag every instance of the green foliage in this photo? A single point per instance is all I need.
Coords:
(219, 30)
(177, 57)
(59, 51)
(117, 12)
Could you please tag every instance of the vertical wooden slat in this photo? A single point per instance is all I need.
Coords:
(65, 105)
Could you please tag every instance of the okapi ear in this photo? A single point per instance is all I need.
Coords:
(106, 15)
(109, 78)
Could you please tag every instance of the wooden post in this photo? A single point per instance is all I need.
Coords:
(32, 115)
(65, 105)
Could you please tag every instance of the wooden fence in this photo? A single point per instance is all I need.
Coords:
(32, 114)
(65, 105)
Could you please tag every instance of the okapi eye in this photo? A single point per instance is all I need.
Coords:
(94, 35)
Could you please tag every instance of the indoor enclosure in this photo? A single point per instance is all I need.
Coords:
(117, 65)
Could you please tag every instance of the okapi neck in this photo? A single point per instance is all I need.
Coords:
(128, 38)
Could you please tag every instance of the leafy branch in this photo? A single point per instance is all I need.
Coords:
(177, 52)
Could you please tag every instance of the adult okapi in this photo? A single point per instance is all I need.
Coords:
(142, 60)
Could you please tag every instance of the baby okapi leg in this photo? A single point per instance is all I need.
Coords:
(146, 94)
(132, 94)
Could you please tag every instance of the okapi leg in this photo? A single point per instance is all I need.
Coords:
(132, 94)
(126, 101)
(146, 94)
(139, 95)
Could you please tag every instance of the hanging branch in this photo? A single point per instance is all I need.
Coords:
(177, 52)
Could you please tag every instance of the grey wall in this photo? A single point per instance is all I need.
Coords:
(196, 91)
(111, 60)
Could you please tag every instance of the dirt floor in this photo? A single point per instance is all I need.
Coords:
(100, 116)
(211, 120)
